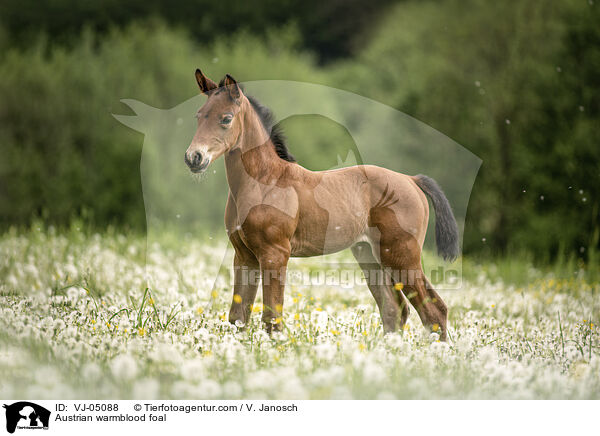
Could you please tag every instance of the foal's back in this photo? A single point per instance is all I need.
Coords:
(338, 208)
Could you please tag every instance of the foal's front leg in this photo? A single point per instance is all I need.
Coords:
(246, 277)
(273, 266)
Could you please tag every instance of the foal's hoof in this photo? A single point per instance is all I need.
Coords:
(441, 335)
(239, 323)
(272, 326)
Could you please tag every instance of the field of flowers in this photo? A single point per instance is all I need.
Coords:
(91, 316)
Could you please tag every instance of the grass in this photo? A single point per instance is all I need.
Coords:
(101, 316)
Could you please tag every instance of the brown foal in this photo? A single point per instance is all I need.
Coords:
(277, 209)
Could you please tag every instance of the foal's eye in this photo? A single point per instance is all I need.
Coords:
(226, 119)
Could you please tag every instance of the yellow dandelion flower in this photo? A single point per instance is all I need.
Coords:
(399, 286)
(93, 321)
(300, 295)
(296, 316)
(435, 327)
(319, 309)
(214, 294)
(406, 327)
(237, 298)
(151, 301)
(295, 300)
(200, 310)
(364, 333)
(335, 332)
(278, 307)
(493, 305)
(362, 347)
(223, 317)
(141, 331)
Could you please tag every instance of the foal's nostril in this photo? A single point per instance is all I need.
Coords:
(194, 160)
(197, 159)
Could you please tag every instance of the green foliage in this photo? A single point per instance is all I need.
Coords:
(514, 82)
(331, 29)
(64, 154)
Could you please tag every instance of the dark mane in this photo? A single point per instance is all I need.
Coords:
(266, 117)
(277, 136)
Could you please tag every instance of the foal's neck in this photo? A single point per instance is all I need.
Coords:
(254, 158)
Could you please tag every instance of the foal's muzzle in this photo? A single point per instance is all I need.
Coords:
(196, 162)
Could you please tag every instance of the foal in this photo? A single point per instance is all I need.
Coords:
(277, 209)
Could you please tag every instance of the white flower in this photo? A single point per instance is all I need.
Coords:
(193, 369)
(232, 389)
(91, 371)
(439, 347)
(146, 389)
(47, 323)
(325, 351)
(373, 373)
(209, 389)
(319, 319)
(124, 367)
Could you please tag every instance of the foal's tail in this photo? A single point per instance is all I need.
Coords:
(446, 229)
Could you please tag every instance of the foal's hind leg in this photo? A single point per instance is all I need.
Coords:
(393, 307)
(403, 256)
(438, 302)
(430, 307)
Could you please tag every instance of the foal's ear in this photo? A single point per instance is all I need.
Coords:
(206, 85)
(232, 87)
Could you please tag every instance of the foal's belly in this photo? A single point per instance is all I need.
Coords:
(329, 221)
(307, 247)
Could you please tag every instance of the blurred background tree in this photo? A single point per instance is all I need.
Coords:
(515, 82)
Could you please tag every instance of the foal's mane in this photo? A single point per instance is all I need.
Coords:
(268, 121)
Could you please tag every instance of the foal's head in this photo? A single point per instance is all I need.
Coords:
(219, 122)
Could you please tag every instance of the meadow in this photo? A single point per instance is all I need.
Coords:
(85, 315)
